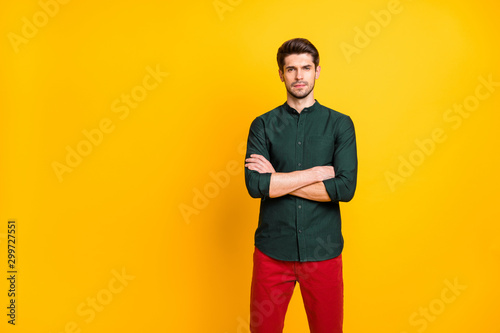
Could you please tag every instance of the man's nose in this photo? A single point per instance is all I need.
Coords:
(299, 75)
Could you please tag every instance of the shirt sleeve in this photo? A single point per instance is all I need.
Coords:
(345, 164)
(257, 183)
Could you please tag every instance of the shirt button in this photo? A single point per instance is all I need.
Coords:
(300, 206)
(300, 231)
(299, 164)
(299, 143)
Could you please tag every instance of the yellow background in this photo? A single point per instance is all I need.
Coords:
(120, 208)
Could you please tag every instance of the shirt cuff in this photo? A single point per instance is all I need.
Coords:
(331, 189)
(264, 184)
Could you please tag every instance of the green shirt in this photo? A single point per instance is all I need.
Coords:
(292, 228)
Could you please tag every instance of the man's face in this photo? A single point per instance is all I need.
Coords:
(299, 74)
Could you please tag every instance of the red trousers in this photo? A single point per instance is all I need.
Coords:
(273, 281)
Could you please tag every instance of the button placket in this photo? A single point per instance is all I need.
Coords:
(299, 153)
(299, 147)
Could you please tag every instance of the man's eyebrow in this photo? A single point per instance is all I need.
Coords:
(290, 66)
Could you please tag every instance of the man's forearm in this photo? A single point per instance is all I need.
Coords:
(285, 183)
(315, 192)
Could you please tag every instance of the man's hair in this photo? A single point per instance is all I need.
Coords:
(297, 46)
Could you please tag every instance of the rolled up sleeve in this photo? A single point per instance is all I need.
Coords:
(257, 183)
(345, 164)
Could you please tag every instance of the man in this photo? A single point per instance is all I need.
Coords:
(301, 162)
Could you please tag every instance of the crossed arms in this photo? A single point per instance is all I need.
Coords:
(306, 184)
(320, 183)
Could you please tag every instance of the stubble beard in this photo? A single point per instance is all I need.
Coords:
(303, 95)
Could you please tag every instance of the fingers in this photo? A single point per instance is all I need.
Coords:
(259, 163)
(330, 172)
(326, 172)
(257, 157)
(255, 161)
(257, 167)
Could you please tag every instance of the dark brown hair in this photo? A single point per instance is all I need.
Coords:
(297, 46)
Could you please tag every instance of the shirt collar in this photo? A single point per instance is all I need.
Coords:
(308, 109)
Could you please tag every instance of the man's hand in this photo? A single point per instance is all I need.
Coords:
(304, 183)
(259, 163)
(324, 172)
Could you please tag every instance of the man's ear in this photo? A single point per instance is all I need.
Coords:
(318, 70)
(281, 75)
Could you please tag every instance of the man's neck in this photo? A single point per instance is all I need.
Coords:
(300, 104)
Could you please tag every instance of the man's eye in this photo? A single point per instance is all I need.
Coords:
(290, 69)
